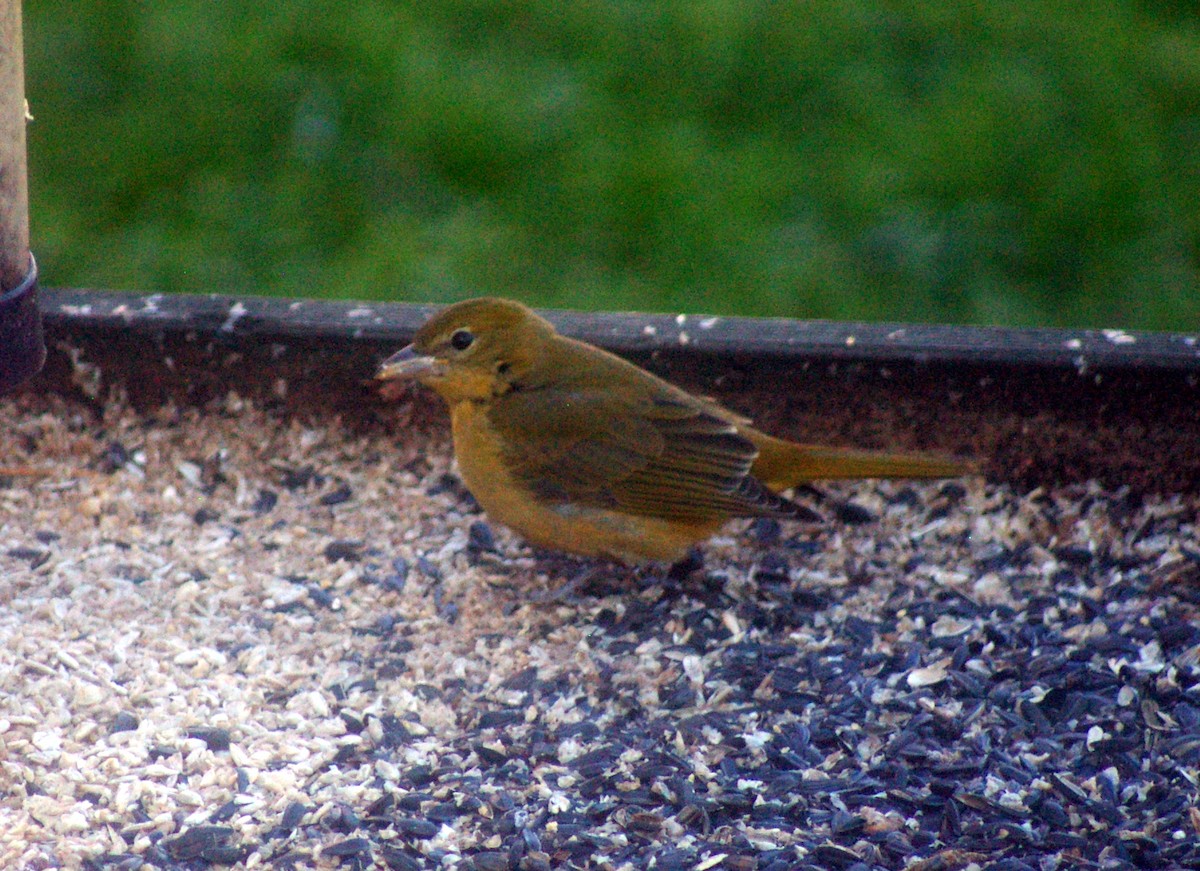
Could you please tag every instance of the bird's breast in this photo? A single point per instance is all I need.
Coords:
(478, 447)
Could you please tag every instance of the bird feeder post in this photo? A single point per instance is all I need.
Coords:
(22, 349)
(14, 189)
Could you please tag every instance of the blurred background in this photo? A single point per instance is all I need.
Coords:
(992, 162)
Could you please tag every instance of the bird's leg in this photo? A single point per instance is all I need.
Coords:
(567, 593)
(580, 574)
(597, 578)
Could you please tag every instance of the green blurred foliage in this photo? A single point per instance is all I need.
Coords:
(993, 162)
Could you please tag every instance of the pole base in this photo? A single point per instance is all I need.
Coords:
(22, 348)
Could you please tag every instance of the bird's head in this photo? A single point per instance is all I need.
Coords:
(473, 349)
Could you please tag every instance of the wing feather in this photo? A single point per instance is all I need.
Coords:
(657, 453)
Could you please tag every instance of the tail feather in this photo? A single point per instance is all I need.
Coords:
(782, 464)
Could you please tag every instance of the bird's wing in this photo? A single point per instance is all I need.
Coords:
(660, 454)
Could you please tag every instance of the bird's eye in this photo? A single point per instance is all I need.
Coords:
(461, 340)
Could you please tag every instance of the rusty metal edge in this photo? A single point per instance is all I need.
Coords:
(628, 332)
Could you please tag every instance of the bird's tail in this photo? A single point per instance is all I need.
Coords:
(782, 464)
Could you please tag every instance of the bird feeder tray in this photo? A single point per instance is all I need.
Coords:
(250, 616)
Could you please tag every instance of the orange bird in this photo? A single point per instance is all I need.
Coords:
(581, 451)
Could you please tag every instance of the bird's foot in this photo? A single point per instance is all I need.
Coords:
(685, 568)
(568, 593)
(594, 579)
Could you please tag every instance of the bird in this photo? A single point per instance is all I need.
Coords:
(581, 451)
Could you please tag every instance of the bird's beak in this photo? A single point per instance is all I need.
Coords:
(407, 363)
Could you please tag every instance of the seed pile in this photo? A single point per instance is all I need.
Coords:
(230, 636)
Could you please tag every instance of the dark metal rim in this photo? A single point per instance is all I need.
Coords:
(1084, 350)
(27, 283)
